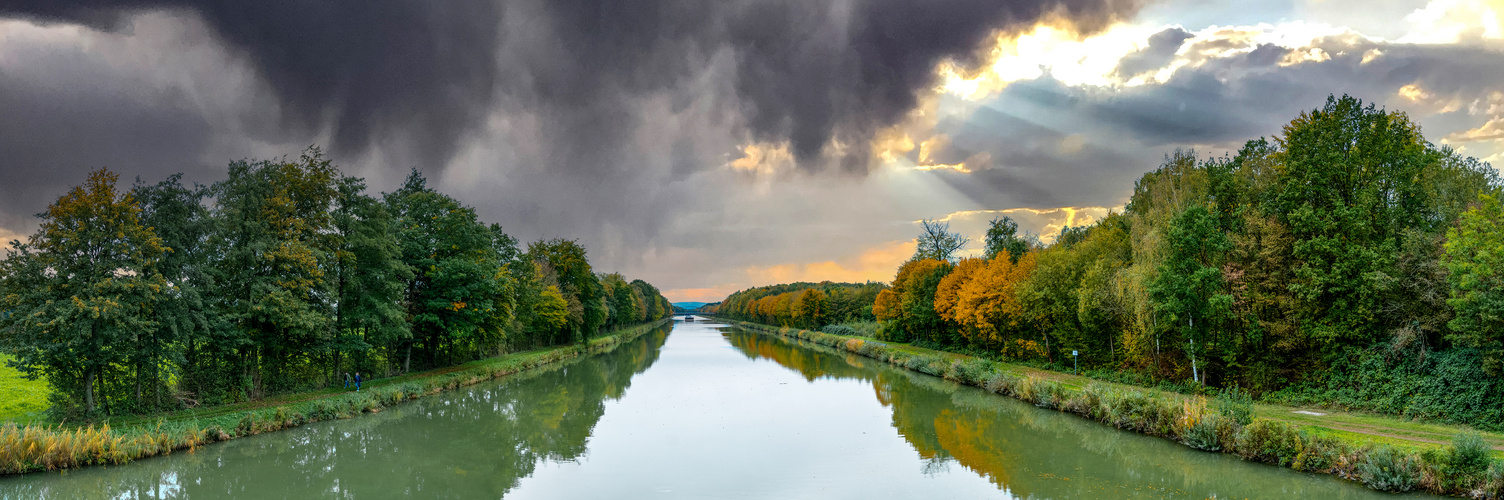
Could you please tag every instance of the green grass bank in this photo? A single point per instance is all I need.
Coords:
(1383, 453)
(21, 400)
(31, 448)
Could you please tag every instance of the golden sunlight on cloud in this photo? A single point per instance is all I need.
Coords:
(1491, 131)
(1045, 223)
(1453, 21)
(892, 144)
(973, 163)
(1093, 60)
(1064, 54)
(763, 158)
(874, 264)
(7, 235)
(1430, 103)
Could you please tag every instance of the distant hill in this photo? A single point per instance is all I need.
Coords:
(688, 306)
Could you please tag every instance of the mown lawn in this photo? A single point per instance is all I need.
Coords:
(21, 400)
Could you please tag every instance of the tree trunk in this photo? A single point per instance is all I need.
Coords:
(89, 390)
(1194, 374)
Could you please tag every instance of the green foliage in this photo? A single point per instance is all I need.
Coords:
(1320, 454)
(774, 305)
(1448, 386)
(1462, 465)
(1189, 286)
(78, 294)
(1387, 469)
(458, 298)
(1002, 236)
(1203, 434)
(565, 266)
(283, 276)
(1235, 404)
(1475, 259)
(1269, 442)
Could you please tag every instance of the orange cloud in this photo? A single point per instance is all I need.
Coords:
(874, 264)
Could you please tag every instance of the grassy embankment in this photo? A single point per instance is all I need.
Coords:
(1382, 452)
(30, 448)
(21, 400)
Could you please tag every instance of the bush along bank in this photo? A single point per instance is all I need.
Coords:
(35, 448)
(1223, 423)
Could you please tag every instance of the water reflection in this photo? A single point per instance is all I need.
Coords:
(475, 442)
(1027, 452)
(722, 414)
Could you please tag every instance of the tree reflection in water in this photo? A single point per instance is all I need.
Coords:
(491, 435)
(1030, 452)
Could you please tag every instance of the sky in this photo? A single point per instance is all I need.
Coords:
(708, 147)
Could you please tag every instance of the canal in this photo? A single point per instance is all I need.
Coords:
(699, 411)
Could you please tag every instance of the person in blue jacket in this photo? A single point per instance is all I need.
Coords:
(357, 381)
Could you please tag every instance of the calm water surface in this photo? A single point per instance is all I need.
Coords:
(704, 411)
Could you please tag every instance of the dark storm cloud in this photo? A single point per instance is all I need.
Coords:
(1159, 53)
(806, 72)
(62, 121)
(364, 69)
(1034, 164)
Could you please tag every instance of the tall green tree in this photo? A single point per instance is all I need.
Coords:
(1475, 258)
(369, 275)
(81, 294)
(188, 326)
(1189, 289)
(1002, 236)
(1347, 190)
(577, 282)
(272, 247)
(458, 277)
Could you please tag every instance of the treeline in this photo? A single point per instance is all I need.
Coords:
(1344, 251)
(801, 305)
(283, 276)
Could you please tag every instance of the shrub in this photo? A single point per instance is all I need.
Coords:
(969, 371)
(1002, 383)
(1269, 442)
(1043, 393)
(1462, 465)
(1131, 410)
(1493, 480)
(1385, 469)
(1235, 404)
(840, 330)
(1319, 454)
(1197, 426)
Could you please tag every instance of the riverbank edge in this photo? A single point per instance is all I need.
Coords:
(1188, 420)
(38, 448)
